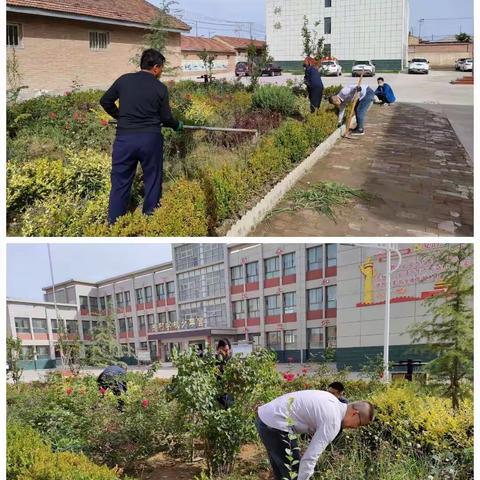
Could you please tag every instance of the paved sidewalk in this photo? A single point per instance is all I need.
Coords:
(412, 160)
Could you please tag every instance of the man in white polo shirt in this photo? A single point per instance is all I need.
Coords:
(313, 412)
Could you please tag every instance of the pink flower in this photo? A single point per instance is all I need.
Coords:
(289, 377)
(103, 390)
(145, 403)
(69, 391)
(104, 122)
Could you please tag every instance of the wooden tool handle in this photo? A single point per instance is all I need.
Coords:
(354, 104)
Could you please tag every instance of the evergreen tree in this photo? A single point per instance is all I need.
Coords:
(448, 332)
(104, 350)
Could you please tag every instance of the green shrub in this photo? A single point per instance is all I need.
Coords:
(293, 138)
(320, 125)
(275, 98)
(332, 90)
(30, 458)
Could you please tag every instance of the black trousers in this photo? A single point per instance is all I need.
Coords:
(128, 150)
(315, 95)
(276, 442)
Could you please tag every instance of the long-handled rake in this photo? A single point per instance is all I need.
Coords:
(352, 111)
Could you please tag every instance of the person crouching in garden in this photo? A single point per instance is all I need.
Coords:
(143, 109)
(113, 379)
(222, 356)
(337, 389)
(314, 83)
(312, 412)
(384, 92)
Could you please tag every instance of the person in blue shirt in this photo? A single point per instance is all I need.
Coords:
(314, 83)
(384, 92)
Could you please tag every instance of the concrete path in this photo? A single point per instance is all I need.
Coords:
(412, 160)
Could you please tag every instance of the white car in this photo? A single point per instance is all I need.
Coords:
(367, 66)
(459, 62)
(466, 65)
(331, 67)
(419, 65)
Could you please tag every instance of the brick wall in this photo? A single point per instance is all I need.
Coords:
(55, 52)
(192, 56)
(441, 54)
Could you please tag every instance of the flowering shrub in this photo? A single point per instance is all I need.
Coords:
(275, 98)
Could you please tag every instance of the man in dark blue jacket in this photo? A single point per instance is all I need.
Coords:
(384, 92)
(144, 109)
(314, 83)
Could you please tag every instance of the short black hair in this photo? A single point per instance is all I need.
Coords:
(337, 386)
(380, 78)
(223, 343)
(150, 58)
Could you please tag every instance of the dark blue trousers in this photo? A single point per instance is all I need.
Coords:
(315, 95)
(128, 150)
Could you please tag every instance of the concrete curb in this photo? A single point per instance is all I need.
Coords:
(254, 216)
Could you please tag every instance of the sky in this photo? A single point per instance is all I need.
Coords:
(254, 11)
(28, 269)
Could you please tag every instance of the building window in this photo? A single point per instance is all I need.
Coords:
(27, 353)
(315, 338)
(253, 308)
(237, 310)
(143, 346)
(272, 267)
(272, 305)
(151, 323)
(315, 299)
(139, 296)
(141, 323)
(290, 339)
(72, 327)
(131, 349)
(289, 302)
(109, 303)
(103, 305)
(332, 255)
(160, 288)
(172, 317)
(122, 326)
(128, 300)
(93, 304)
(54, 324)
(331, 294)
(252, 272)
(14, 35)
(328, 25)
(119, 297)
(328, 3)
(130, 325)
(148, 294)
(22, 325)
(237, 275)
(83, 303)
(331, 334)
(288, 264)
(314, 258)
(327, 49)
(86, 329)
(162, 321)
(170, 289)
(43, 352)
(274, 340)
(99, 40)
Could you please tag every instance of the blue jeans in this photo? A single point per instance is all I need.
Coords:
(128, 150)
(276, 442)
(362, 107)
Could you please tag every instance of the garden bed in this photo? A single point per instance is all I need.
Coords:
(59, 160)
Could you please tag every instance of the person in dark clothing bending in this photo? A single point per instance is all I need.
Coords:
(223, 355)
(337, 389)
(144, 109)
(314, 83)
(113, 378)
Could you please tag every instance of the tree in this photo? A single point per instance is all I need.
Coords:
(208, 60)
(449, 331)
(14, 353)
(463, 37)
(313, 45)
(14, 77)
(70, 351)
(257, 62)
(104, 349)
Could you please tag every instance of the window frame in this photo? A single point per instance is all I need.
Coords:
(98, 33)
(19, 34)
(287, 269)
(319, 260)
(269, 274)
(251, 278)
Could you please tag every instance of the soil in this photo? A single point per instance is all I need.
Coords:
(162, 467)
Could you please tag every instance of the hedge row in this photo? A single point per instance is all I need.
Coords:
(31, 458)
(69, 197)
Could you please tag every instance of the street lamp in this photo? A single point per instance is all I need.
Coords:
(388, 247)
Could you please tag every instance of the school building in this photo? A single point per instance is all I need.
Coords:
(296, 299)
(353, 30)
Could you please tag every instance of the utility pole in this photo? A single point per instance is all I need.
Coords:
(54, 297)
(420, 28)
(196, 28)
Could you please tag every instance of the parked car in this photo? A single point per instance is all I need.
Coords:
(331, 67)
(459, 62)
(419, 65)
(367, 66)
(242, 69)
(272, 69)
(466, 65)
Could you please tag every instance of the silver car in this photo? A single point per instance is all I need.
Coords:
(367, 66)
(331, 67)
(466, 65)
(419, 65)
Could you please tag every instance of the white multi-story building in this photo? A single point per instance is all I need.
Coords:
(354, 30)
(296, 299)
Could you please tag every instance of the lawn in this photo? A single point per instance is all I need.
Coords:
(177, 429)
(58, 152)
